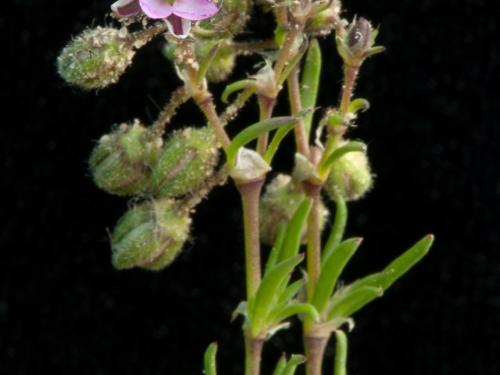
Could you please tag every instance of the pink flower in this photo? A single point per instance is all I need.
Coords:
(177, 13)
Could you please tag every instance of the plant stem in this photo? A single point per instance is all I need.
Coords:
(253, 355)
(253, 46)
(313, 191)
(178, 97)
(250, 199)
(315, 351)
(301, 138)
(350, 76)
(266, 107)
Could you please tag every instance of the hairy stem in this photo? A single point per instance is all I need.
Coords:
(315, 351)
(313, 191)
(350, 76)
(266, 107)
(250, 199)
(178, 97)
(301, 139)
(253, 355)
(253, 46)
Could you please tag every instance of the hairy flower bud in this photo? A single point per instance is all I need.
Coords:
(350, 176)
(150, 235)
(323, 23)
(187, 160)
(357, 42)
(121, 161)
(278, 205)
(96, 58)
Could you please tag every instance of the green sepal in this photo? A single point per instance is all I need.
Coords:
(310, 80)
(253, 132)
(341, 347)
(338, 227)
(209, 360)
(280, 366)
(331, 269)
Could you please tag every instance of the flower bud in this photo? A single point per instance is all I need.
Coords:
(357, 42)
(323, 23)
(96, 58)
(350, 176)
(121, 162)
(278, 205)
(150, 235)
(186, 161)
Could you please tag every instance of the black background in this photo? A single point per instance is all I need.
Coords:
(433, 131)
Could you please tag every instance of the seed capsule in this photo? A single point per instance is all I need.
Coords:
(150, 235)
(278, 205)
(121, 162)
(350, 176)
(96, 58)
(187, 160)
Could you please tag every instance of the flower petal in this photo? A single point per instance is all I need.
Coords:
(156, 8)
(194, 9)
(180, 27)
(126, 8)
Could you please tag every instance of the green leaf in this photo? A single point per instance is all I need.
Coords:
(331, 270)
(285, 312)
(291, 65)
(293, 235)
(253, 132)
(291, 291)
(278, 137)
(275, 251)
(280, 366)
(210, 367)
(266, 295)
(292, 364)
(340, 367)
(310, 81)
(237, 86)
(406, 261)
(359, 105)
(338, 228)
(375, 280)
(346, 305)
(338, 153)
(206, 62)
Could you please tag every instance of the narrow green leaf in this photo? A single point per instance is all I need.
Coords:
(291, 291)
(253, 132)
(210, 367)
(346, 305)
(375, 280)
(338, 228)
(292, 364)
(359, 104)
(294, 230)
(310, 81)
(341, 151)
(278, 137)
(407, 260)
(285, 312)
(331, 270)
(266, 295)
(206, 62)
(340, 354)
(280, 366)
(237, 86)
(275, 251)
